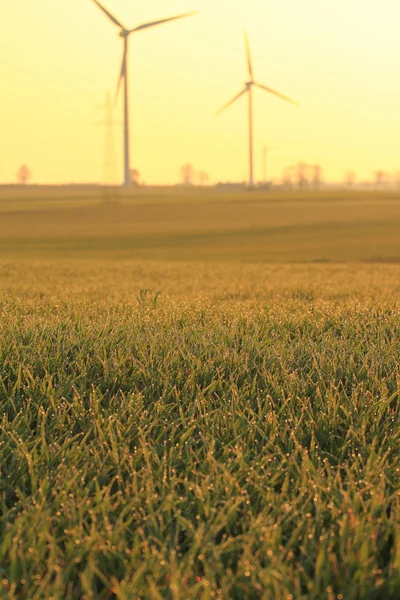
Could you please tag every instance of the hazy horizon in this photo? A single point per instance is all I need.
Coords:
(339, 62)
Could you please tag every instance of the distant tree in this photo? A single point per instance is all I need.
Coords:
(187, 174)
(135, 175)
(316, 176)
(24, 175)
(379, 177)
(287, 176)
(202, 177)
(302, 181)
(350, 178)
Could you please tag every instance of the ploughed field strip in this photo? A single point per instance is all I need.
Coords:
(196, 431)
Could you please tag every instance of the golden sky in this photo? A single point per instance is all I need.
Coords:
(340, 59)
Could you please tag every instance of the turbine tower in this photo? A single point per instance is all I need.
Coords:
(248, 89)
(124, 34)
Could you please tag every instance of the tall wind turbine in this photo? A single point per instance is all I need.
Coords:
(124, 34)
(248, 90)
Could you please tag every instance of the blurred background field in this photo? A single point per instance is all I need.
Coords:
(329, 226)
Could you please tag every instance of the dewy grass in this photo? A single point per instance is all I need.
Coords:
(204, 437)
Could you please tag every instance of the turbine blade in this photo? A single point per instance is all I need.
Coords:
(271, 91)
(248, 56)
(153, 23)
(122, 74)
(109, 15)
(232, 101)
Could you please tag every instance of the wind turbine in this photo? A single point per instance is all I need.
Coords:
(248, 90)
(124, 34)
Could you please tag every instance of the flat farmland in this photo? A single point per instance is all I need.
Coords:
(203, 225)
(199, 395)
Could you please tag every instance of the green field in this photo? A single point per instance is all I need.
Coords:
(199, 395)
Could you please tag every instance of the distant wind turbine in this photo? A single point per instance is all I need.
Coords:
(124, 34)
(248, 90)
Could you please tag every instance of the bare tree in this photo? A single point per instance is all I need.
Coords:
(135, 175)
(287, 176)
(316, 176)
(380, 178)
(302, 181)
(350, 178)
(303, 175)
(187, 173)
(24, 175)
(202, 177)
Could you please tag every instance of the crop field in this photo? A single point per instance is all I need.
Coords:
(200, 225)
(199, 395)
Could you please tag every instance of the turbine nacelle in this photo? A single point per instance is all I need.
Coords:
(124, 33)
(249, 84)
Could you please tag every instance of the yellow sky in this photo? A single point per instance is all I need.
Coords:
(340, 60)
